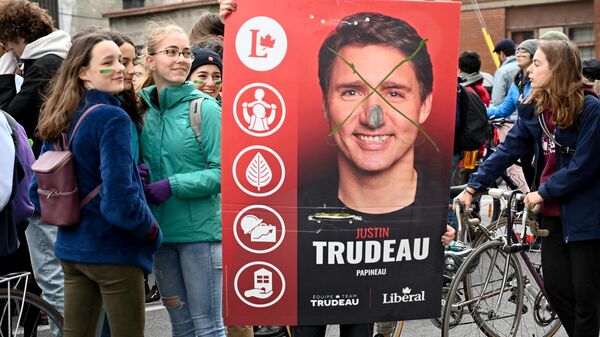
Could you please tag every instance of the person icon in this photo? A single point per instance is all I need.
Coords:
(259, 121)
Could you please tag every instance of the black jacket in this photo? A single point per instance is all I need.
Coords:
(25, 106)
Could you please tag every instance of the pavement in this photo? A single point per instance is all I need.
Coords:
(157, 325)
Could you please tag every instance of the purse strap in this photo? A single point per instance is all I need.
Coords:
(561, 148)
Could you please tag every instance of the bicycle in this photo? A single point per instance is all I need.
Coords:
(473, 231)
(23, 313)
(490, 294)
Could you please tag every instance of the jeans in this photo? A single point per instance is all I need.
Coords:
(120, 288)
(189, 278)
(46, 266)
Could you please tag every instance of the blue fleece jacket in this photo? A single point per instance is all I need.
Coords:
(113, 225)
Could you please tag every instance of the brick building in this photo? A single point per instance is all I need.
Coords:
(525, 19)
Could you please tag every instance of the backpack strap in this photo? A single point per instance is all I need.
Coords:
(196, 119)
(67, 145)
(79, 122)
(90, 196)
(561, 148)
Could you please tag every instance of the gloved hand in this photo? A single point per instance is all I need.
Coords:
(158, 192)
(144, 173)
(8, 63)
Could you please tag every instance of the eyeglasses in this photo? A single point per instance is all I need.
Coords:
(172, 52)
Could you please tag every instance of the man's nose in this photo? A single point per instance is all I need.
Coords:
(372, 114)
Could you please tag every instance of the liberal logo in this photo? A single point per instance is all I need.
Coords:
(405, 297)
(261, 43)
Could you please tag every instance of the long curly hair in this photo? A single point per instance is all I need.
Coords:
(24, 19)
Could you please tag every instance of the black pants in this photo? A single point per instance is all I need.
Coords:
(572, 280)
(346, 330)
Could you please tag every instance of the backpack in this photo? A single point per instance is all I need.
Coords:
(57, 182)
(22, 206)
(196, 119)
(472, 124)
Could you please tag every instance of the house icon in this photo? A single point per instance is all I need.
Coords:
(263, 284)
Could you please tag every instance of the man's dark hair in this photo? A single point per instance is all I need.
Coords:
(469, 62)
(363, 29)
(509, 51)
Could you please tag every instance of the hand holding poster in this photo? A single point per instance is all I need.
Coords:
(338, 126)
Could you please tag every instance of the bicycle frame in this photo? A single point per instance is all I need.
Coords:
(512, 244)
(8, 279)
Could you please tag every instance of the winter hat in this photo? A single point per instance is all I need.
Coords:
(503, 45)
(205, 56)
(591, 69)
(530, 46)
(554, 35)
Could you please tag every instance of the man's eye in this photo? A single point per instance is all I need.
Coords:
(396, 94)
(349, 92)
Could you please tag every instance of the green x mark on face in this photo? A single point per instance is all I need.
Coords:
(374, 115)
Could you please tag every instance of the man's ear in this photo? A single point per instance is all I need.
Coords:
(425, 109)
(325, 110)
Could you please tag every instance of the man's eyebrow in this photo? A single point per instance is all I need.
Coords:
(349, 85)
(395, 85)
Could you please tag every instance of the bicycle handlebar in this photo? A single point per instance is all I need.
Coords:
(531, 215)
(498, 193)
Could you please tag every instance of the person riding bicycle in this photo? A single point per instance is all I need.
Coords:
(562, 119)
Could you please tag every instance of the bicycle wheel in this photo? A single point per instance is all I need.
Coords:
(478, 303)
(537, 319)
(28, 315)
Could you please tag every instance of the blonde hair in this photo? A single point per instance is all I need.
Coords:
(66, 88)
(564, 93)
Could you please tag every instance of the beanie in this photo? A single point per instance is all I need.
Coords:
(530, 46)
(591, 69)
(554, 35)
(203, 57)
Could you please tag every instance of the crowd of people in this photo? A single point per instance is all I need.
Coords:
(147, 152)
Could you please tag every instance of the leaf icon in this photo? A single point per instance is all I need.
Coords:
(258, 172)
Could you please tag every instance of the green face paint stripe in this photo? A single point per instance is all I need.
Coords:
(106, 71)
(199, 81)
(217, 82)
(376, 115)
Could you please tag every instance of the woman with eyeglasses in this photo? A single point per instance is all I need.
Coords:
(184, 186)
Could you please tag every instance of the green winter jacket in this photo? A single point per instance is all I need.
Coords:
(170, 149)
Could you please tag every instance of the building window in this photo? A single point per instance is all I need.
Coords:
(521, 36)
(132, 4)
(583, 36)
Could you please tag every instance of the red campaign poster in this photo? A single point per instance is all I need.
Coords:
(338, 125)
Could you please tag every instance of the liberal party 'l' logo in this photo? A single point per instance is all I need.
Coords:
(261, 43)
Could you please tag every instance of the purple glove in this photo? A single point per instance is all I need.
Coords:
(158, 192)
(144, 173)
